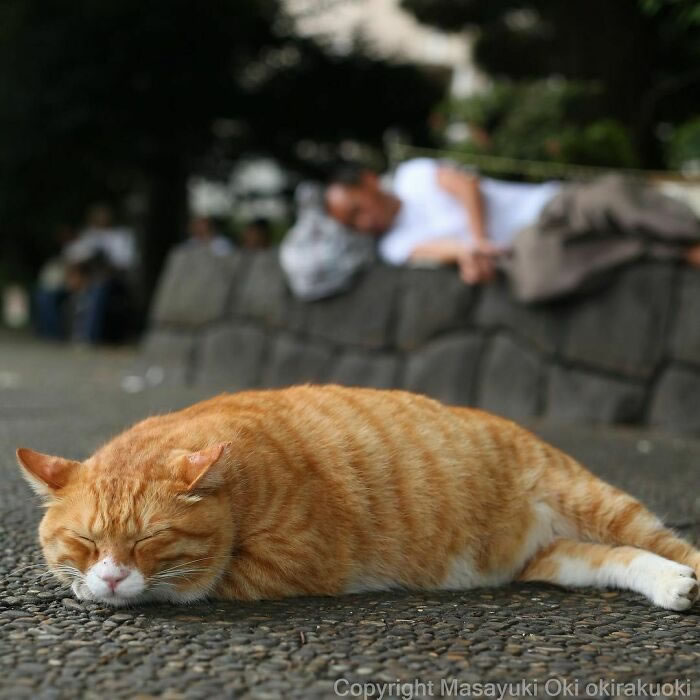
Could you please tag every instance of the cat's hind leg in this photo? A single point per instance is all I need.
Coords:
(603, 513)
(565, 562)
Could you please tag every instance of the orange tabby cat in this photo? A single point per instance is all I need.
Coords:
(328, 490)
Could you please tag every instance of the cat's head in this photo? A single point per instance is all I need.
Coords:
(121, 535)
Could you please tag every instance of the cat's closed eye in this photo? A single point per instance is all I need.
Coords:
(84, 538)
(150, 536)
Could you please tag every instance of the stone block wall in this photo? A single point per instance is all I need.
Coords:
(629, 353)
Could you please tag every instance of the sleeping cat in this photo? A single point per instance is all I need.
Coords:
(328, 490)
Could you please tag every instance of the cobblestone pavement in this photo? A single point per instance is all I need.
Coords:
(436, 644)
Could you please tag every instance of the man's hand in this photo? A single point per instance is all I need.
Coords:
(692, 255)
(477, 263)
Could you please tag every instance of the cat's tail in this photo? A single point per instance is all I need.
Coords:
(603, 513)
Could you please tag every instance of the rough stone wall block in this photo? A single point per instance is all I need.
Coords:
(431, 302)
(540, 325)
(511, 379)
(194, 287)
(361, 318)
(676, 404)
(445, 368)
(232, 356)
(358, 368)
(685, 341)
(575, 396)
(623, 328)
(264, 296)
(293, 361)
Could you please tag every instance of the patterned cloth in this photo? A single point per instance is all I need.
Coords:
(319, 256)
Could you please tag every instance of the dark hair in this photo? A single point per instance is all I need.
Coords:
(348, 173)
(262, 223)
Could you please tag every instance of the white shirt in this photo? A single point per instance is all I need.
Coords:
(428, 212)
(116, 244)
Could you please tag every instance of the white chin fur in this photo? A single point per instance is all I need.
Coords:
(98, 584)
(82, 591)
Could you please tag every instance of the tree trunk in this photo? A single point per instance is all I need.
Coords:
(166, 217)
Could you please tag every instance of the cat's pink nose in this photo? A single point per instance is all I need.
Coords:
(112, 579)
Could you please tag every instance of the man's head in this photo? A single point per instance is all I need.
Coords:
(99, 215)
(256, 234)
(355, 198)
(201, 228)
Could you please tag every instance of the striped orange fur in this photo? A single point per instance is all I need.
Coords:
(326, 490)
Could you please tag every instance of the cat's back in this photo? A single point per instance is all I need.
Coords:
(330, 429)
(330, 416)
(367, 429)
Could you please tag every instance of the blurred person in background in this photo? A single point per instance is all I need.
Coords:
(204, 233)
(52, 290)
(435, 212)
(101, 235)
(256, 234)
(319, 256)
(101, 263)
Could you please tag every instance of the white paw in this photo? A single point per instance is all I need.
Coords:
(674, 586)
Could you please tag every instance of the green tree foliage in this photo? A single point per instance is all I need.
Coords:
(101, 99)
(541, 120)
(644, 54)
(684, 146)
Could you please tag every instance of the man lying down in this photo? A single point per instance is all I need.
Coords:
(550, 238)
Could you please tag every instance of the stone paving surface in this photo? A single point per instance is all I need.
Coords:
(54, 647)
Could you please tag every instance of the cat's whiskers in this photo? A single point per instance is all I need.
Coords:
(179, 570)
(169, 583)
(43, 576)
(68, 568)
(61, 569)
(24, 568)
(186, 563)
(174, 576)
(166, 584)
(70, 571)
(63, 586)
(167, 578)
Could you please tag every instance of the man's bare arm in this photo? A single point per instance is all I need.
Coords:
(476, 263)
(474, 266)
(464, 187)
(441, 250)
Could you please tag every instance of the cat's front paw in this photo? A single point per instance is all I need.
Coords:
(675, 587)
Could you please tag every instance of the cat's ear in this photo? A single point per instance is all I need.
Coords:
(205, 470)
(46, 474)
